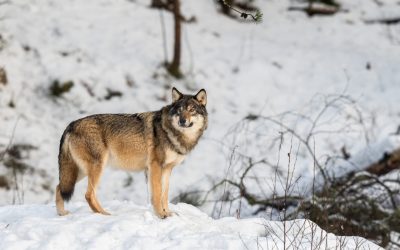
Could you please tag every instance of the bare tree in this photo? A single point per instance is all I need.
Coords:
(174, 6)
(174, 66)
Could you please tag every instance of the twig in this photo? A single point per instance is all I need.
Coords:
(257, 17)
(10, 141)
(386, 21)
(226, 176)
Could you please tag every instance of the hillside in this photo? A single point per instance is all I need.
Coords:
(332, 81)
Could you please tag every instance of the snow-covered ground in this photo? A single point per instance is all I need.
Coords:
(287, 67)
(136, 227)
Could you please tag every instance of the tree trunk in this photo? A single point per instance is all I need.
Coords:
(225, 8)
(173, 67)
(157, 4)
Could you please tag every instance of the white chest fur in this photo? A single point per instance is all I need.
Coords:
(172, 157)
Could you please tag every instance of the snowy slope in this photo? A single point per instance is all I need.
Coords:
(136, 227)
(288, 63)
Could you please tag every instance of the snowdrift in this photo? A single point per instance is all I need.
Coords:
(136, 227)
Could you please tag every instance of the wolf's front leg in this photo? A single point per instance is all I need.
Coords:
(165, 174)
(155, 176)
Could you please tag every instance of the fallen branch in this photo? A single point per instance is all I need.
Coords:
(388, 163)
(316, 10)
(257, 17)
(348, 205)
(385, 21)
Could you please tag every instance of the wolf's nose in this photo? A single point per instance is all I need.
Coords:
(182, 121)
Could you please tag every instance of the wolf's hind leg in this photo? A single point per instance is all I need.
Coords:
(91, 156)
(93, 181)
(60, 203)
(68, 176)
(59, 199)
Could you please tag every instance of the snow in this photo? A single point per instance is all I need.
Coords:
(287, 63)
(136, 227)
(286, 68)
(366, 157)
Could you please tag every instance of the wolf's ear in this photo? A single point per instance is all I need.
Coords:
(176, 95)
(201, 97)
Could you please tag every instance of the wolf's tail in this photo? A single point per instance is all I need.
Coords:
(68, 169)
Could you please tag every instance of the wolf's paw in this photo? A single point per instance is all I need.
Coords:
(164, 214)
(104, 213)
(63, 212)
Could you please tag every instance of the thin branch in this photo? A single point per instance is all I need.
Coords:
(10, 141)
(257, 17)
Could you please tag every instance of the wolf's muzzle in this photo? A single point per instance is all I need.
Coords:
(183, 123)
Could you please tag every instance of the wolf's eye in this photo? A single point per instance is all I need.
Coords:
(192, 110)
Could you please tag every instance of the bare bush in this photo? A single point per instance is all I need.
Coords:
(355, 200)
(14, 157)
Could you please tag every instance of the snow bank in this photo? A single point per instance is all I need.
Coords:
(136, 227)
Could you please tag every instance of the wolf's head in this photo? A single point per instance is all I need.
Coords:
(188, 112)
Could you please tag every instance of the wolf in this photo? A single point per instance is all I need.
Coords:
(154, 142)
